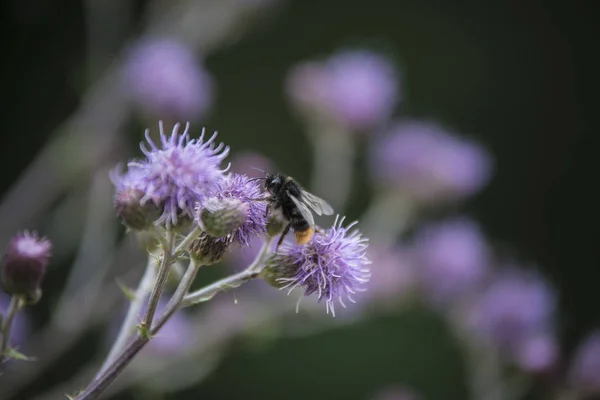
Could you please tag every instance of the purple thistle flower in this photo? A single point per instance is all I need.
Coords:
(428, 163)
(178, 174)
(358, 89)
(164, 79)
(20, 325)
(333, 264)
(584, 372)
(453, 259)
(24, 265)
(516, 308)
(244, 192)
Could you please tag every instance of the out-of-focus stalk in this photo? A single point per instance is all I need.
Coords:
(16, 302)
(129, 323)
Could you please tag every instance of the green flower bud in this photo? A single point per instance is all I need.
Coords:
(134, 215)
(220, 217)
(208, 250)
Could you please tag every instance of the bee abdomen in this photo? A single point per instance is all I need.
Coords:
(303, 236)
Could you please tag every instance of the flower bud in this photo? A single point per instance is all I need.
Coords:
(24, 265)
(277, 269)
(220, 217)
(130, 210)
(208, 250)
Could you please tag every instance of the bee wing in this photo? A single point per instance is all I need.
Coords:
(316, 203)
(303, 210)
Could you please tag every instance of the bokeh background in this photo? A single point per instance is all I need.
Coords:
(519, 77)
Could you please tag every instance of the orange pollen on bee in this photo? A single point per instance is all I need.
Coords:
(302, 237)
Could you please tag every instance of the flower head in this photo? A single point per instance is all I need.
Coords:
(515, 309)
(235, 197)
(164, 79)
(358, 89)
(127, 200)
(24, 265)
(176, 175)
(585, 366)
(453, 259)
(428, 163)
(333, 264)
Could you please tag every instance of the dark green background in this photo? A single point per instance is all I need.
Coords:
(520, 76)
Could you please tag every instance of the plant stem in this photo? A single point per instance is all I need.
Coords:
(15, 304)
(233, 281)
(163, 274)
(333, 158)
(130, 320)
(100, 384)
(193, 235)
(388, 216)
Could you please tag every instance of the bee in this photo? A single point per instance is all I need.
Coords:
(294, 204)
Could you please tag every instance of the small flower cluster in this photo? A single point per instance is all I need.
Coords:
(181, 185)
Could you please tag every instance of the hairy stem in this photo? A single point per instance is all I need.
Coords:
(15, 304)
(233, 281)
(100, 384)
(334, 153)
(163, 274)
(185, 243)
(129, 323)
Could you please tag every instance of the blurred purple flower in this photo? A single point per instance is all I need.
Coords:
(24, 265)
(165, 80)
(584, 373)
(178, 174)
(358, 89)
(251, 163)
(393, 275)
(333, 264)
(428, 163)
(20, 325)
(244, 191)
(515, 314)
(453, 259)
(538, 353)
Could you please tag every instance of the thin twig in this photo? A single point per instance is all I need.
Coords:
(132, 313)
(13, 308)
(102, 382)
(163, 274)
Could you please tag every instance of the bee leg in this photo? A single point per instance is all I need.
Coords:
(285, 232)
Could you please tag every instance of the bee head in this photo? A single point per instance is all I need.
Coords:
(273, 182)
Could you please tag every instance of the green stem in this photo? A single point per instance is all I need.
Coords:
(334, 153)
(388, 216)
(130, 320)
(15, 304)
(99, 385)
(185, 243)
(163, 274)
(233, 281)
